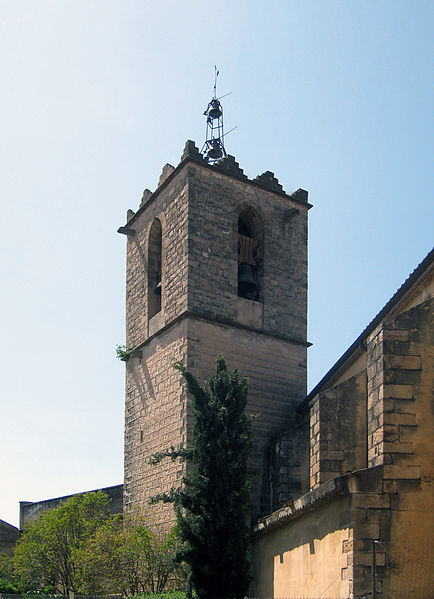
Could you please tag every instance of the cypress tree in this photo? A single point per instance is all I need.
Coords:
(212, 506)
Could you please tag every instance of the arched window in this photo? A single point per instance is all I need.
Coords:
(154, 269)
(250, 254)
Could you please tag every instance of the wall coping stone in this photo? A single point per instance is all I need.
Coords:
(338, 486)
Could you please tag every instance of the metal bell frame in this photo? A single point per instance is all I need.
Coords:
(213, 148)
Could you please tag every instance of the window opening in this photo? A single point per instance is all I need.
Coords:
(154, 269)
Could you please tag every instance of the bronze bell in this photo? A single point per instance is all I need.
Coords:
(215, 109)
(215, 150)
(246, 282)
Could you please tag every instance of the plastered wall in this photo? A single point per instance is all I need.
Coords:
(308, 556)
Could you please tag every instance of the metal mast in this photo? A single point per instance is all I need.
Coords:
(213, 148)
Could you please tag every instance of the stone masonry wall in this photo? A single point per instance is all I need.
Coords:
(201, 314)
(400, 437)
(338, 430)
(276, 372)
(171, 208)
(215, 204)
(394, 376)
(370, 515)
(286, 465)
(155, 419)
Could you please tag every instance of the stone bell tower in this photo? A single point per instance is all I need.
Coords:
(216, 264)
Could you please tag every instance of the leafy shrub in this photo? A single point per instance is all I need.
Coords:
(7, 587)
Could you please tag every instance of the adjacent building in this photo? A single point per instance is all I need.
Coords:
(365, 528)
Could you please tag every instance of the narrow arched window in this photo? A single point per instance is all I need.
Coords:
(250, 254)
(154, 269)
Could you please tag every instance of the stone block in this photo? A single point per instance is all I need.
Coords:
(402, 419)
(358, 516)
(390, 486)
(396, 392)
(269, 181)
(407, 434)
(166, 172)
(230, 165)
(367, 531)
(401, 472)
(385, 433)
(403, 362)
(396, 335)
(397, 447)
(373, 453)
(370, 500)
(361, 575)
(400, 376)
(300, 194)
(332, 455)
(403, 406)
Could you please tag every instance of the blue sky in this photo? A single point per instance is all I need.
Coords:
(97, 95)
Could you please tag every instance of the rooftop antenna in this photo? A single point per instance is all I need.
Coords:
(213, 148)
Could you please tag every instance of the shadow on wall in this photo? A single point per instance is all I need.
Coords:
(305, 556)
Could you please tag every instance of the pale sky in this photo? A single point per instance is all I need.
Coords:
(97, 95)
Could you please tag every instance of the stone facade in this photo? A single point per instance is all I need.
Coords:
(202, 315)
(338, 440)
(371, 468)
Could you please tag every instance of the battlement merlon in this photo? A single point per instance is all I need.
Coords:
(227, 165)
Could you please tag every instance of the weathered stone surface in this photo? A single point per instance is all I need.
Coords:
(191, 151)
(229, 165)
(338, 430)
(166, 172)
(397, 391)
(200, 315)
(404, 472)
(145, 197)
(269, 181)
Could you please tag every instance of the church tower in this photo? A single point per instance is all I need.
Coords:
(216, 264)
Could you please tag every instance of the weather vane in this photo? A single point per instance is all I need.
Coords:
(214, 148)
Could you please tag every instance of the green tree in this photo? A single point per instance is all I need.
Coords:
(126, 556)
(212, 506)
(7, 578)
(162, 559)
(47, 553)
